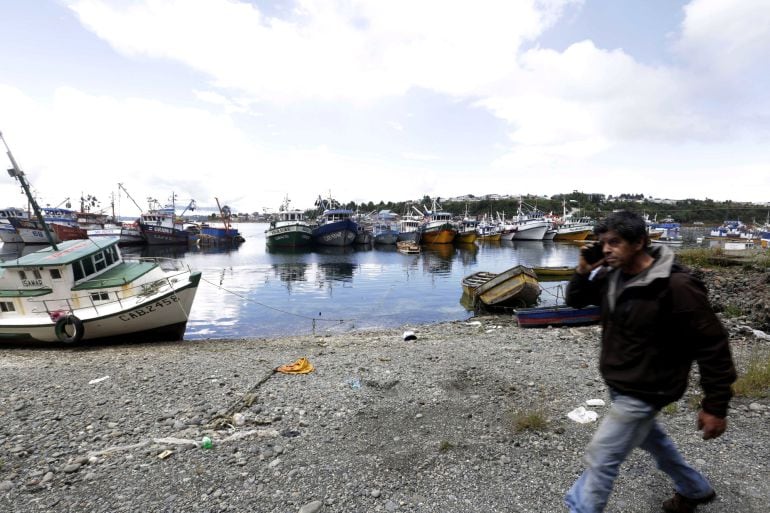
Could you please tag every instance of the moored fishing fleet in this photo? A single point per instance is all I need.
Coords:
(337, 226)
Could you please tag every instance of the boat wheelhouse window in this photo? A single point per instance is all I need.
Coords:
(7, 306)
(100, 296)
(108, 256)
(99, 261)
(88, 266)
(77, 271)
(37, 274)
(55, 274)
(22, 275)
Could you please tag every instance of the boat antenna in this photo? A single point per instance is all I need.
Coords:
(17, 173)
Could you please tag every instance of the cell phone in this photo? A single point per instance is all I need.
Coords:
(592, 253)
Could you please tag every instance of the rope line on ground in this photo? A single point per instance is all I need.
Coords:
(314, 319)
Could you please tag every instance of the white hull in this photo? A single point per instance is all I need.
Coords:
(530, 232)
(168, 308)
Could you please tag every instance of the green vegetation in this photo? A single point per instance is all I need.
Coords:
(700, 257)
(528, 421)
(445, 446)
(755, 382)
(670, 409)
(694, 401)
(731, 311)
(686, 211)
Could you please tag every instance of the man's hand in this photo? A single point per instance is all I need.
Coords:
(711, 425)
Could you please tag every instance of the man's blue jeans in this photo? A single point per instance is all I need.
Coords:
(629, 423)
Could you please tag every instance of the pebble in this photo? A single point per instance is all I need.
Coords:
(311, 507)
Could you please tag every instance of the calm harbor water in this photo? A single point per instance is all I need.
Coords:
(253, 292)
(250, 291)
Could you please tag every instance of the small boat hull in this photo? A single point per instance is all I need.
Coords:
(516, 286)
(562, 315)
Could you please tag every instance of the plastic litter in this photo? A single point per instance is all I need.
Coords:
(98, 380)
(582, 416)
(165, 454)
(409, 335)
(354, 383)
(206, 443)
(595, 402)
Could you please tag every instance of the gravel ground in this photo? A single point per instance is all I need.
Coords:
(382, 424)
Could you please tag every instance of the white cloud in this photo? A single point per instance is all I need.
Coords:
(726, 36)
(354, 50)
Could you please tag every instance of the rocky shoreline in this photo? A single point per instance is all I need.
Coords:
(469, 417)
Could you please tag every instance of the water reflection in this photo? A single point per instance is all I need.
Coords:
(275, 250)
(437, 258)
(290, 272)
(467, 253)
(335, 272)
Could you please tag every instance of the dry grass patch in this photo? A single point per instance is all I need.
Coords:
(755, 382)
(534, 420)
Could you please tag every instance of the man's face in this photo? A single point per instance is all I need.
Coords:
(618, 252)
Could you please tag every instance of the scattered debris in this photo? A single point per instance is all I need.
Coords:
(595, 402)
(582, 416)
(409, 335)
(98, 380)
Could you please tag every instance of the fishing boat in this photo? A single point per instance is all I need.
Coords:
(530, 225)
(335, 225)
(489, 232)
(84, 289)
(438, 228)
(467, 230)
(7, 231)
(128, 234)
(384, 231)
(409, 228)
(559, 315)
(571, 227)
(516, 286)
(223, 234)
(162, 225)
(288, 228)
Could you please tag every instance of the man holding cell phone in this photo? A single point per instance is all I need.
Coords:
(656, 321)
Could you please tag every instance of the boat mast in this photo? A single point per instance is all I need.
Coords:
(120, 185)
(17, 173)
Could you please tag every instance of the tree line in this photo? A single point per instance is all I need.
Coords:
(596, 206)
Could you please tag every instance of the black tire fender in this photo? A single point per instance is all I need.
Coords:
(61, 332)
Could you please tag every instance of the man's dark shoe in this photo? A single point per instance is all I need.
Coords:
(681, 504)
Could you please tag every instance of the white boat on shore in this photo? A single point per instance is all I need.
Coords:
(84, 290)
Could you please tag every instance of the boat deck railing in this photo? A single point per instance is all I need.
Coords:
(99, 302)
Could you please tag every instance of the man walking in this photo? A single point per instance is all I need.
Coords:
(656, 320)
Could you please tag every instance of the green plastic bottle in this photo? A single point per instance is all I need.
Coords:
(206, 443)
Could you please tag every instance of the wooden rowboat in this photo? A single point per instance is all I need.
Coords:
(408, 247)
(516, 286)
(560, 315)
(552, 272)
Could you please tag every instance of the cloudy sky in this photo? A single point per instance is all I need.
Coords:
(366, 100)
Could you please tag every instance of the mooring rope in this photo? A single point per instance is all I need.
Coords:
(302, 316)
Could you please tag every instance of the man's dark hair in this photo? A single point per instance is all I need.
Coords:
(629, 225)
